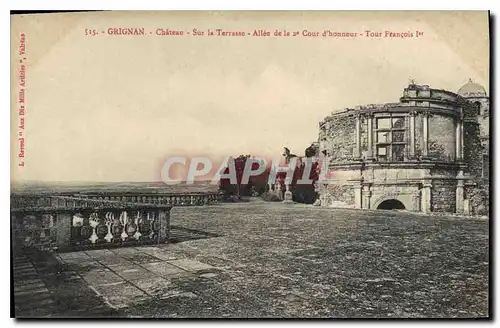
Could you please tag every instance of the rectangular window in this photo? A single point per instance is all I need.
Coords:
(398, 136)
(383, 123)
(383, 137)
(398, 153)
(398, 123)
(390, 138)
(382, 153)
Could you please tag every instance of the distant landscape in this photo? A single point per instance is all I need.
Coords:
(153, 187)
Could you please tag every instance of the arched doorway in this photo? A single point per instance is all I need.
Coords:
(391, 204)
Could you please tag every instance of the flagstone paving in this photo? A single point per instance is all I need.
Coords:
(275, 260)
(126, 276)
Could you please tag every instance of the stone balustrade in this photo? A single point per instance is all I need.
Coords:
(93, 220)
(187, 199)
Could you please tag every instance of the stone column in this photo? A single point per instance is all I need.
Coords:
(425, 134)
(370, 135)
(416, 203)
(164, 219)
(366, 196)
(63, 224)
(412, 134)
(426, 197)
(458, 140)
(358, 196)
(357, 153)
(460, 192)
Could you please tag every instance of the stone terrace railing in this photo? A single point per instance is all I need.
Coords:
(95, 220)
(187, 199)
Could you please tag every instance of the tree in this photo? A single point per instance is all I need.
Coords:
(255, 183)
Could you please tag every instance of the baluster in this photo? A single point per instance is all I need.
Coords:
(102, 228)
(123, 220)
(151, 224)
(76, 226)
(137, 234)
(109, 219)
(116, 225)
(94, 222)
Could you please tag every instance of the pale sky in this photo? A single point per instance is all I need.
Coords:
(112, 108)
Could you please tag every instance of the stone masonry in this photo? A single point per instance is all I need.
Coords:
(429, 152)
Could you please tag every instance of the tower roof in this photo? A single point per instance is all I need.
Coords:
(472, 89)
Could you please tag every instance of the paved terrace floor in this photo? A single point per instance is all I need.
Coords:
(274, 260)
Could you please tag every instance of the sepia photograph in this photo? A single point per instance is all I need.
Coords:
(250, 165)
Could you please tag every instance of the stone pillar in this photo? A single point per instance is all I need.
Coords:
(412, 134)
(426, 197)
(164, 219)
(467, 209)
(425, 134)
(460, 193)
(357, 196)
(366, 197)
(416, 203)
(357, 152)
(370, 136)
(63, 224)
(324, 195)
(458, 140)
(288, 194)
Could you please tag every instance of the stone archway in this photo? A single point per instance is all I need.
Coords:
(391, 204)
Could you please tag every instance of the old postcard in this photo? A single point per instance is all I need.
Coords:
(250, 164)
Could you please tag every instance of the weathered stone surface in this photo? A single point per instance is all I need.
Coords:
(131, 272)
(191, 265)
(156, 286)
(163, 268)
(114, 260)
(121, 295)
(101, 277)
(316, 262)
(98, 253)
(275, 261)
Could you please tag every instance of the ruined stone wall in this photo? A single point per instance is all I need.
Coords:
(478, 196)
(473, 149)
(441, 138)
(443, 196)
(340, 193)
(342, 137)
